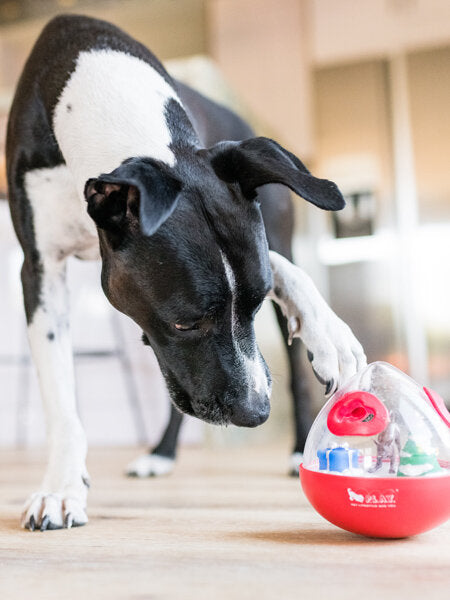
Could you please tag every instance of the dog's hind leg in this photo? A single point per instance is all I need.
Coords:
(301, 396)
(160, 460)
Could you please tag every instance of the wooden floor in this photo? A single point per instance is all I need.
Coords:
(226, 524)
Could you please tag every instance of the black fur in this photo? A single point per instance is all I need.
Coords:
(148, 179)
(162, 230)
(259, 161)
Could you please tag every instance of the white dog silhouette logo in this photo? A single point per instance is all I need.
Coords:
(354, 497)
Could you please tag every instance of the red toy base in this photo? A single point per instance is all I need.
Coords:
(379, 506)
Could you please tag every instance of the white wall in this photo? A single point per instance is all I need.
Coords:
(345, 30)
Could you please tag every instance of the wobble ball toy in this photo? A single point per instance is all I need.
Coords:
(377, 458)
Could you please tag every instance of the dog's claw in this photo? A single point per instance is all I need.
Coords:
(330, 387)
(318, 377)
(46, 512)
(76, 524)
(68, 521)
(45, 523)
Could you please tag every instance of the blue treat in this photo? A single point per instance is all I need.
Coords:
(322, 454)
(339, 459)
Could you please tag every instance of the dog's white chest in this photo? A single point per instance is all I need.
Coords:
(112, 108)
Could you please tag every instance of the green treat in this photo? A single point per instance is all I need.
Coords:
(410, 447)
(415, 462)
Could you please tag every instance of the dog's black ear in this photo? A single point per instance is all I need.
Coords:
(140, 187)
(257, 161)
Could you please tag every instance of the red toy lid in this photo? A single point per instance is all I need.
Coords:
(357, 413)
(438, 404)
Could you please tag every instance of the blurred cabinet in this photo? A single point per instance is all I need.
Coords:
(388, 282)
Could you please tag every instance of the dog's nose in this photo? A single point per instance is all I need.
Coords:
(252, 412)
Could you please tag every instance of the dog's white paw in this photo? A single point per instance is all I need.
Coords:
(334, 352)
(295, 460)
(53, 511)
(150, 465)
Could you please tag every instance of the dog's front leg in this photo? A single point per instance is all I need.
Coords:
(333, 350)
(61, 500)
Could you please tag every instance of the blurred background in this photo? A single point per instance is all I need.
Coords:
(360, 90)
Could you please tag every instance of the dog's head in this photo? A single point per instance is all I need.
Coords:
(185, 256)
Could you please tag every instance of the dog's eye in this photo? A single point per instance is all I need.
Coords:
(184, 327)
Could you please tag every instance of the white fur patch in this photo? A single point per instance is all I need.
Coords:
(111, 108)
(258, 374)
(66, 467)
(62, 225)
(253, 366)
(232, 283)
(295, 460)
(148, 465)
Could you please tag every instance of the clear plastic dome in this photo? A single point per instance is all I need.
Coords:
(380, 424)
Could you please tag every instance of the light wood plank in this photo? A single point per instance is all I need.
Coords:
(227, 524)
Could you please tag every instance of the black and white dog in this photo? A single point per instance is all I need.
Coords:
(107, 154)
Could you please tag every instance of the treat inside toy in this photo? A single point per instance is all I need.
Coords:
(381, 424)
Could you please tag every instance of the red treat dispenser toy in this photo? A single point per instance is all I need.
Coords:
(377, 458)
